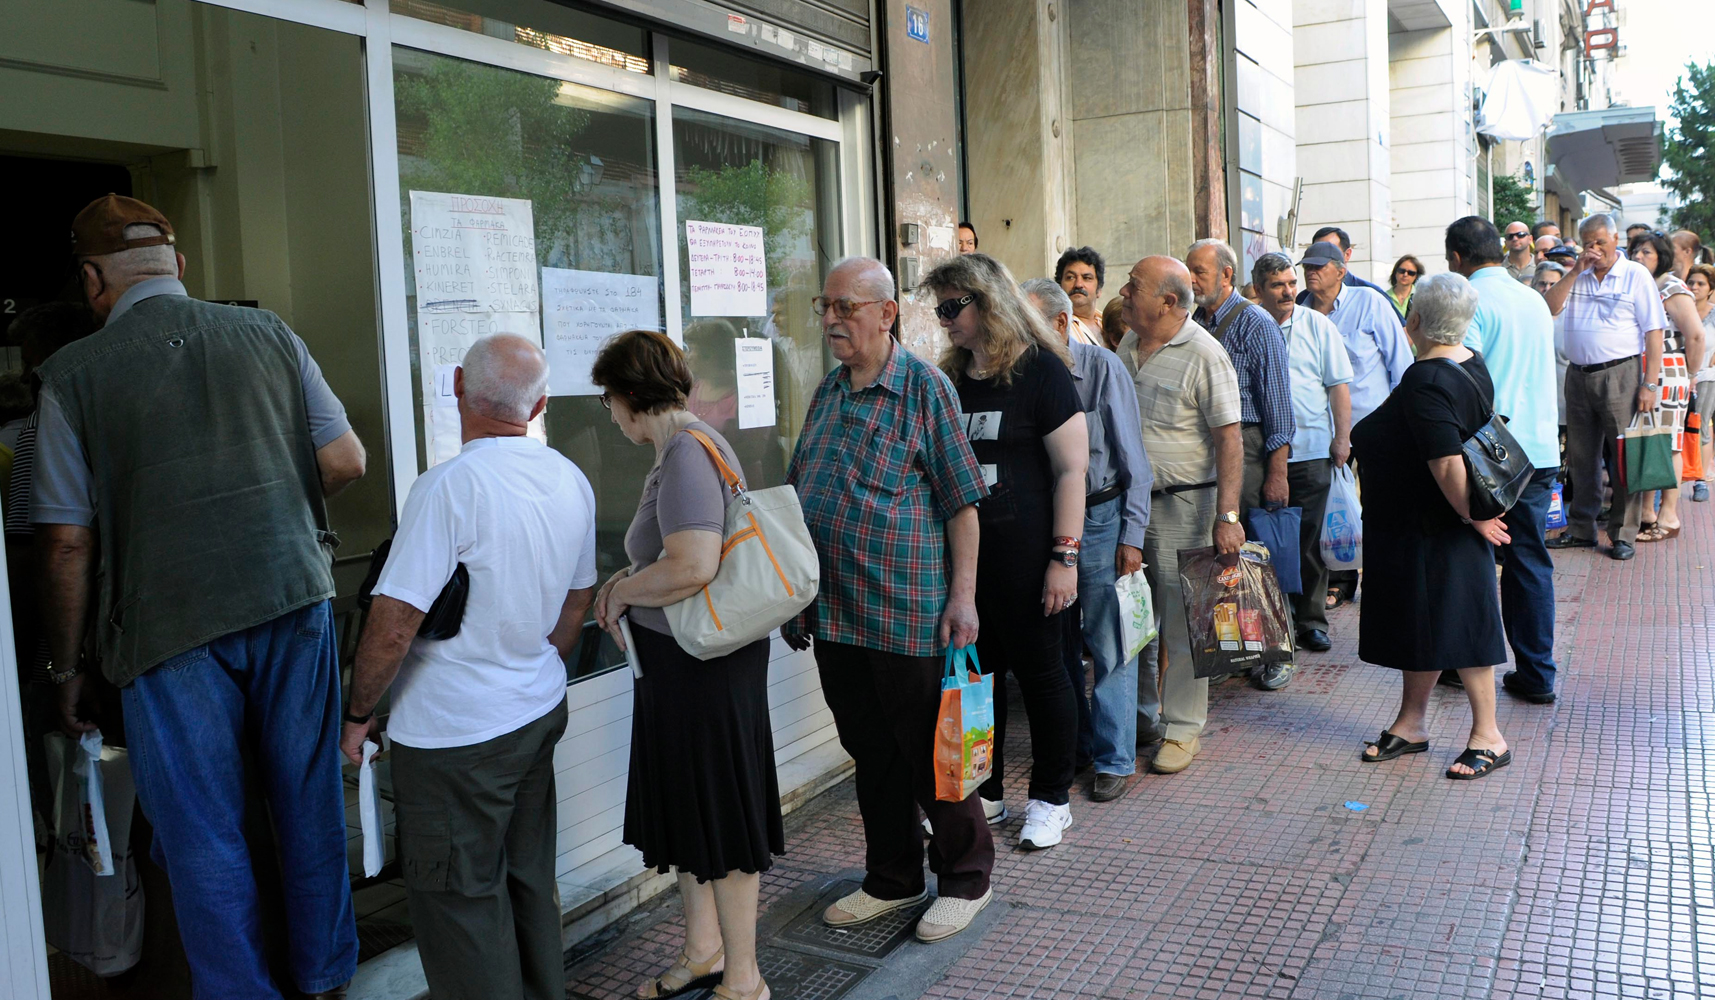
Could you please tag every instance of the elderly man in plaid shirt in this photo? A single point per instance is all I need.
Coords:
(889, 486)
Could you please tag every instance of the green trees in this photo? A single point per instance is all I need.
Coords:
(1514, 202)
(1690, 172)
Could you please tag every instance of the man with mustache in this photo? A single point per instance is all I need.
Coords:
(1080, 273)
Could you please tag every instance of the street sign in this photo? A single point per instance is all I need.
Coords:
(917, 24)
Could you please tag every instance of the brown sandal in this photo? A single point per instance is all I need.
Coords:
(1658, 534)
(685, 976)
(725, 992)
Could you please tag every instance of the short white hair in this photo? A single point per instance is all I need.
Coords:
(504, 376)
(870, 277)
(1601, 220)
(1050, 299)
(127, 267)
(1444, 304)
(1224, 256)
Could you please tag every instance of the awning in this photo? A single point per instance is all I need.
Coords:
(1606, 148)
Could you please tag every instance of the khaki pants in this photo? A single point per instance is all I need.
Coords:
(1176, 521)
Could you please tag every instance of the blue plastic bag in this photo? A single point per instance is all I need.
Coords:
(1343, 523)
(1277, 530)
(1556, 508)
(964, 732)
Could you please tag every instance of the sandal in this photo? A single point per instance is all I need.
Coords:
(685, 976)
(1336, 597)
(1480, 762)
(1658, 534)
(1388, 746)
(725, 992)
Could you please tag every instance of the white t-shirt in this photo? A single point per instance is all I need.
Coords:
(1704, 372)
(522, 520)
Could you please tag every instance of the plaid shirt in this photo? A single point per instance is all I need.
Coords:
(879, 472)
(1258, 351)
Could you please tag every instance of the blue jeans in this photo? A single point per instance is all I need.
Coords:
(273, 689)
(1527, 584)
(1107, 720)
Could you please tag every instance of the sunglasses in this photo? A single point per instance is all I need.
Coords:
(1518, 236)
(842, 307)
(953, 307)
(1405, 273)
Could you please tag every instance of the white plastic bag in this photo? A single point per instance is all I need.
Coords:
(1343, 523)
(1137, 612)
(369, 810)
(95, 919)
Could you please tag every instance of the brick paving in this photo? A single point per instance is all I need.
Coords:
(1585, 869)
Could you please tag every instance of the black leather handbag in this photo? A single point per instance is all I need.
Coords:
(445, 615)
(1496, 467)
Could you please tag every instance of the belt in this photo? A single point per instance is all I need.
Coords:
(1181, 489)
(1103, 495)
(1593, 369)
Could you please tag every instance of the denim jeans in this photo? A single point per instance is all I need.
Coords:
(272, 689)
(1107, 719)
(1527, 584)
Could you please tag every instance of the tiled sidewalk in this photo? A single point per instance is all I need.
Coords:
(1583, 870)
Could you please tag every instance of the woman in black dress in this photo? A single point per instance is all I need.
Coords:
(1430, 600)
(1026, 426)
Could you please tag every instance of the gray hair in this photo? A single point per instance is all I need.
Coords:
(1267, 266)
(1178, 286)
(1550, 267)
(1050, 299)
(127, 267)
(1601, 220)
(871, 277)
(1224, 256)
(1444, 305)
(504, 376)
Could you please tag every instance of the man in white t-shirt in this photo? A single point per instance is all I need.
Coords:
(475, 717)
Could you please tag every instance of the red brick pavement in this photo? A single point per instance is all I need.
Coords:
(1583, 870)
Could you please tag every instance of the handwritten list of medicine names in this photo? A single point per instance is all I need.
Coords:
(475, 265)
(729, 274)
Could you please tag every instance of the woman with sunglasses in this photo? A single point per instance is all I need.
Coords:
(1403, 282)
(1026, 426)
(1683, 338)
(702, 797)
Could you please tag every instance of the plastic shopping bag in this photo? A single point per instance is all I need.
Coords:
(1343, 523)
(964, 736)
(1556, 507)
(92, 900)
(1235, 613)
(369, 810)
(1646, 455)
(1277, 530)
(1691, 449)
(1137, 612)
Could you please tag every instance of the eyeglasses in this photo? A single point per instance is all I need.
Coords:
(1402, 272)
(953, 307)
(1519, 236)
(842, 307)
(606, 401)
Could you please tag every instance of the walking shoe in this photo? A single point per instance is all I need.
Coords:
(860, 908)
(1108, 787)
(1515, 687)
(994, 810)
(1700, 492)
(1176, 755)
(1274, 676)
(1569, 541)
(1043, 824)
(1452, 679)
(928, 831)
(1622, 551)
(1315, 640)
(948, 916)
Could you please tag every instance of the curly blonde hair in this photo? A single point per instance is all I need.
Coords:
(1010, 327)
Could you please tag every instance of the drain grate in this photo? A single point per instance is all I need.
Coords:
(802, 977)
(871, 940)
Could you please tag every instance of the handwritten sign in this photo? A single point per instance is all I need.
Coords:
(581, 310)
(474, 260)
(728, 272)
(755, 382)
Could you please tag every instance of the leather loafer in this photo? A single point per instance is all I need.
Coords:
(1175, 755)
(1515, 687)
(1315, 640)
(1569, 541)
(1622, 551)
(1108, 787)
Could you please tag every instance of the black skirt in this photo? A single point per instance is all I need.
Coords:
(702, 795)
(1429, 598)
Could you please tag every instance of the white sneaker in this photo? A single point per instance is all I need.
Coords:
(994, 810)
(1043, 824)
(928, 831)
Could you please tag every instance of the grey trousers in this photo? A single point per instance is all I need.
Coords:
(1706, 432)
(1599, 405)
(477, 846)
(1176, 521)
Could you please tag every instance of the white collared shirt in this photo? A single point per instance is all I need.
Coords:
(1606, 320)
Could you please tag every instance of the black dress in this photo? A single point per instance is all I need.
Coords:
(1429, 579)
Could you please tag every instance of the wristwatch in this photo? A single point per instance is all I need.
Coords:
(1231, 517)
(1653, 386)
(1066, 558)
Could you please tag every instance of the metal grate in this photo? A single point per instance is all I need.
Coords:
(800, 976)
(875, 939)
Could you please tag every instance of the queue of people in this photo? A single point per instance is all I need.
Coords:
(990, 499)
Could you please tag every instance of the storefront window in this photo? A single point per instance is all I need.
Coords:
(752, 79)
(540, 25)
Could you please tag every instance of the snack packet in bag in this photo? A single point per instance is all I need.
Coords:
(1236, 614)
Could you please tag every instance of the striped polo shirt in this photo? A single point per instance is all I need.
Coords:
(1184, 391)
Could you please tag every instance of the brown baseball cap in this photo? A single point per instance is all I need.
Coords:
(100, 228)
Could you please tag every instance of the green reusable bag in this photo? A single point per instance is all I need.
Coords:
(1646, 455)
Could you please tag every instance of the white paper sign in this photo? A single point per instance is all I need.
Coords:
(581, 310)
(755, 382)
(729, 274)
(474, 260)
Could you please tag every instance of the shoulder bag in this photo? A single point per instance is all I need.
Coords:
(768, 571)
(1496, 467)
(445, 615)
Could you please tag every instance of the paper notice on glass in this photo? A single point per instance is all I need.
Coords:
(474, 261)
(755, 382)
(729, 273)
(581, 310)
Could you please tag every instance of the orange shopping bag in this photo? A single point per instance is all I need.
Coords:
(964, 734)
(1691, 449)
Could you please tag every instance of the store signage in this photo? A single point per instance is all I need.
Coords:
(1599, 39)
(917, 24)
(729, 273)
(581, 310)
(754, 364)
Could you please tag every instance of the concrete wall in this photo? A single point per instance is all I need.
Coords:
(1341, 94)
(1433, 174)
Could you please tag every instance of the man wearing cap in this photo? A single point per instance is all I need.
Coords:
(1375, 340)
(183, 454)
(1336, 237)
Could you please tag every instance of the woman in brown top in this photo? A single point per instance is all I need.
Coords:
(702, 796)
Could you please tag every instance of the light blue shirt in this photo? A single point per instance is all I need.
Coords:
(1514, 333)
(1109, 398)
(1375, 343)
(1316, 361)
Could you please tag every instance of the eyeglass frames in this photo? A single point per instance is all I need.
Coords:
(1407, 272)
(953, 307)
(842, 307)
(1519, 236)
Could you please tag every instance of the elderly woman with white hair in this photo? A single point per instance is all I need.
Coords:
(1430, 600)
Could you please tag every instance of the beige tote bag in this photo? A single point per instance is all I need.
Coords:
(768, 573)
